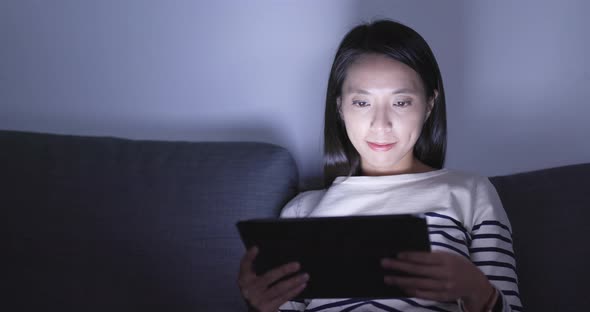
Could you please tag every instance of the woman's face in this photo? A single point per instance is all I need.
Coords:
(384, 106)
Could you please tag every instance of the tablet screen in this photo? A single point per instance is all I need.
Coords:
(342, 255)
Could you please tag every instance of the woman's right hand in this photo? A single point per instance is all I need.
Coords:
(256, 289)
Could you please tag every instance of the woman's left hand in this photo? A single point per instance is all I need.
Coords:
(440, 276)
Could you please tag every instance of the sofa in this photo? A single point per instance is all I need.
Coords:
(112, 224)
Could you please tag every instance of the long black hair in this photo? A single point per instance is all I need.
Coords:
(402, 44)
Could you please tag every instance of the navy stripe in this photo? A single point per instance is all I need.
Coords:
(416, 304)
(494, 249)
(498, 236)
(496, 264)
(494, 222)
(354, 307)
(438, 215)
(467, 236)
(450, 247)
(336, 304)
(384, 307)
(515, 308)
(448, 236)
(511, 293)
(502, 278)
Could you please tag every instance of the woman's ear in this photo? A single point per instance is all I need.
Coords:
(430, 104)
(339, 107)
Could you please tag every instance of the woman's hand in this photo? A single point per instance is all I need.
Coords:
(256, 289)
(440, 276)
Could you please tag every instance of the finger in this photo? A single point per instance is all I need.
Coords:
(408, 283)
(435, 272)
(283, 287)
(421, 257)
(274, 304)
(248, 260)
(247, 274)
(275, 274)
(260, 286)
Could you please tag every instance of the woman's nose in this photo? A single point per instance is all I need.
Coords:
(381, 122)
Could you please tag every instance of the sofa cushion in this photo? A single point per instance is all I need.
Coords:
(549, 211)
(133, 225)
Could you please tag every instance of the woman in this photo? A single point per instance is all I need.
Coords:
(384, 149)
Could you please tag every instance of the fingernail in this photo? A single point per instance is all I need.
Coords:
(305, 277)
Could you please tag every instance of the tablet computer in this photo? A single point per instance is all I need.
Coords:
(342, 255)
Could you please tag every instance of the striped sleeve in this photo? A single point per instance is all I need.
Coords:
(293, 305)
(491, 245)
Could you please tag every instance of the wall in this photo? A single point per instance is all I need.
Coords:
(526, 83)
(188, 70)
(257, 70)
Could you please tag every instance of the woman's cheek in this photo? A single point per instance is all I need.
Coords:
(355, 125)
(416, 128)
(407, 128)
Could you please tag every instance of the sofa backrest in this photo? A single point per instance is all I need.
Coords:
(113, 224)
(549, 212)
(94, 224)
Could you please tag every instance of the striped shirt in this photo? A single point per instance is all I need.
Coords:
(464, 216)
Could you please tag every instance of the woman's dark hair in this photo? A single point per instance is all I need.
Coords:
(402, 44)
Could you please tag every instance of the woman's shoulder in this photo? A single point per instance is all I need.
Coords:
(487, 204)
(460, 178)
(302, 204)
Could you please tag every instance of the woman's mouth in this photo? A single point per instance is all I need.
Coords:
(380, 147)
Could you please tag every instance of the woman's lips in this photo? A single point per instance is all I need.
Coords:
(380, 147)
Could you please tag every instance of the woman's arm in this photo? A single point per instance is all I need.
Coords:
(491, 251)
(491, 264)
(294, 305)
(491, 245)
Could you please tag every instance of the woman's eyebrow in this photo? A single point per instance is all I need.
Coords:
(404, 90)
(359, 91)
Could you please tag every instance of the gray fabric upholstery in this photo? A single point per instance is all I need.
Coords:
(113, 224)
(94, 224)
(549, 211)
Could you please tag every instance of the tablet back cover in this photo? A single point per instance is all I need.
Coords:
(341, 254)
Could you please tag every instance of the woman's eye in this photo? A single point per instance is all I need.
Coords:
(360, 103)
(402, 103)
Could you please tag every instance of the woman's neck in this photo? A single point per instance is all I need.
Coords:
(415, 167)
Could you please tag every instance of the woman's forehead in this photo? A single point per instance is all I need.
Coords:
(374, 72)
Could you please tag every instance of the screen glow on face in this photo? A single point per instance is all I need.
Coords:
(384, 106)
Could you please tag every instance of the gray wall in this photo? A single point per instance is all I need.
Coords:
(527, 76)
(257, 70)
